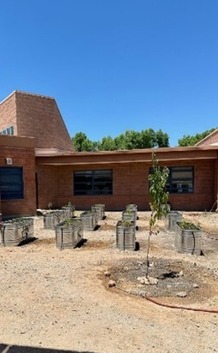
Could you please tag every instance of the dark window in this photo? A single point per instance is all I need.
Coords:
(93, 182)
(11, 183)
(8, 131)
(180, 180)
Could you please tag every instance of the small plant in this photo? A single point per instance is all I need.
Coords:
(50, 205)
(188, 225)
(71, 221)
(125, 223)
(159, 200)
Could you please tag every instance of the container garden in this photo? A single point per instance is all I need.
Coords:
(51, 219)
(125, 235)
(132, 207)
(172, 218)
(69, 233)
(100, 210)
(16, 230)
(68, 211)
(89, 220)
(129, 215)
(188, 238)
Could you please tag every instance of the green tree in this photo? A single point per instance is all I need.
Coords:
(191, 140)
(107, 144)
(158, 199)
(132, 139)
(120, 142)
(162, 139)
(148, 138)
(128, 140)
(82, 143)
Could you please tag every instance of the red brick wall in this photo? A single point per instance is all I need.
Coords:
(130, 185)
(209, 140)
(35, 116)
(8, 113)
(39, 117)
(22, 157)
(204, 188)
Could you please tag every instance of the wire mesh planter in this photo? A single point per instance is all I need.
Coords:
(171, 221)
(100, 210)
(89, 220)
(51, 219)
(68, 211)
(125, 235)
(16, 230)
(188, 238)
(69, 233)
(129, 215)
(132, 207)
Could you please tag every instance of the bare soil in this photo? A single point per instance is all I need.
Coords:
(57, 300)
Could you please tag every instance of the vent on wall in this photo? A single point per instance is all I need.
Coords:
(8, 161)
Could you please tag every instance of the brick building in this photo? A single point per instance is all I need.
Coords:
(38, 166)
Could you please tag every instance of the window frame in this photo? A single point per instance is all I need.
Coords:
(183, 188)
(182, 183)
(92, 183)
(7, 131)
(11, 183)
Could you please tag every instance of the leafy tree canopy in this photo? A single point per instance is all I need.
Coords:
(129, 140)
(188, 140)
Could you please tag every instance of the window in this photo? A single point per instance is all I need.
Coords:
(8, 131)
(11, 183)
(181, 180)
(93, 182)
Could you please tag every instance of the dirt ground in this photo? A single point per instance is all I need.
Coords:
(59, 300)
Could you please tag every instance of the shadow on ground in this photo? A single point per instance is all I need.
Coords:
(4, 348)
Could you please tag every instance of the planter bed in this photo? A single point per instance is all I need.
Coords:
(99, 209)
(14, 231)
(89, 220)
(69, 233)
(125, 235)
(188, 238)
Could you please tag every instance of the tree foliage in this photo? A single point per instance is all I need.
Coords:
(158, 199)
(128, 140)
(191, 140)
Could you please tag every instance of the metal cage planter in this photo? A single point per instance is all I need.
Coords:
(51, 219)
(129, 215)
(188, 238)
(89, 220)
(14, 231)
(132, 207)
(172, 218)
(68, 211)
(125, 235)
(69, 233)
(99, 209)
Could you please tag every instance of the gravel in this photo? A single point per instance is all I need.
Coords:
(61, 299)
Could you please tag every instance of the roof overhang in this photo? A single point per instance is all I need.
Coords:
(130, 156)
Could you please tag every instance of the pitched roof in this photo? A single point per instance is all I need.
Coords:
(211, 139)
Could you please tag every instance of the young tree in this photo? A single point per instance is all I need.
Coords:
(158, 200)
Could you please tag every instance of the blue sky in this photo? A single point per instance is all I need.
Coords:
(115, 65)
